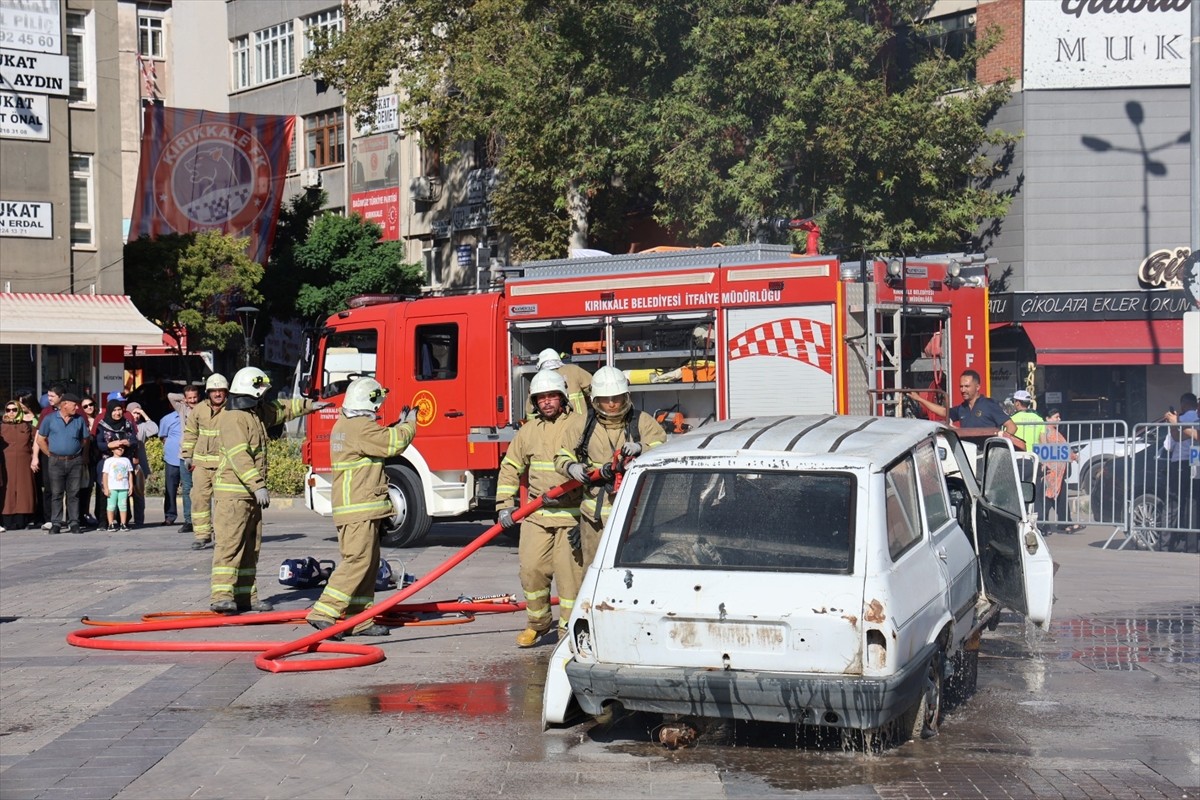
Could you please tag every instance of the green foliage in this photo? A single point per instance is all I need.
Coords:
(282, 274)
(717, 114)
(151, 278)
(342, 257)
(158, 467)
(285, 468)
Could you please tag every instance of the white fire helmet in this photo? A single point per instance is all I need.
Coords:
(216, 381)
(549, 359)
(610, 382)
(547, 380)
(250, 381)
(364, 394)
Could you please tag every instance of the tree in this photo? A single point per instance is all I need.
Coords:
(343, 257)
(717, 114)
(151, 279)
(215, 276)
(283, 274)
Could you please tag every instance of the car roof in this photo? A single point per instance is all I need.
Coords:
(851, 441)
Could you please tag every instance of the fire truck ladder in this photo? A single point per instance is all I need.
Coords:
(889, 378)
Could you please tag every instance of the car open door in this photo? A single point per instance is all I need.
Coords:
(1014, 561)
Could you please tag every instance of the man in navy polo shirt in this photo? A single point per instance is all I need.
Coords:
(976, 410)
(64, 438)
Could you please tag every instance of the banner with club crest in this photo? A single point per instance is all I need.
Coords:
(202, 170)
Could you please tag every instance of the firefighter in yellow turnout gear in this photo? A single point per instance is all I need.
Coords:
(545, 550)
(615, 426)
(358, 447)
(240, 488)
(579, 382)
(201, 451)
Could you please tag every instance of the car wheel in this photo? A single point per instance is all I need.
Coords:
(1146, 516)
(925, 717)
(1106, 492)
(1088, 471)
(409, 522)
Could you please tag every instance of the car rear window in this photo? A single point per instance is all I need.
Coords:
(790, 521)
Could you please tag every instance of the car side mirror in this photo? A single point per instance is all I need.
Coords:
(1027, 492)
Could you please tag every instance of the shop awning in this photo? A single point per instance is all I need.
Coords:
(1124, 342)
(74, 319)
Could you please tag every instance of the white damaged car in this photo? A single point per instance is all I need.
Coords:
(823, 570)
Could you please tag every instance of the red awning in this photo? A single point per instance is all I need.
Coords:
(1125, 342)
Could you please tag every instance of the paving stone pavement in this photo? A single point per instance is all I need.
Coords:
(454, 711)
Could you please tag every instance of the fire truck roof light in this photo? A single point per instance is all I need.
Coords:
(894, 267)
(953, 268)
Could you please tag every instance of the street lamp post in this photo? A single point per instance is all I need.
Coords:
(248, 317)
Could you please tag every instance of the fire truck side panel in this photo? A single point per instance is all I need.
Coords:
(780, 360)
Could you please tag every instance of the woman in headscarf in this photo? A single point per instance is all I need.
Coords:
(114, 428)
(17, 503)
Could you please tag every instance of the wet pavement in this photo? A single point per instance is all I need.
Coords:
(1105, 704)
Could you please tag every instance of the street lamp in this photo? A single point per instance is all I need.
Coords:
(247, 316)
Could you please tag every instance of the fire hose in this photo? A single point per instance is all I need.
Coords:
(271, 654)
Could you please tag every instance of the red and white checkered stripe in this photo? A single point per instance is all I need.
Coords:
(800, 339)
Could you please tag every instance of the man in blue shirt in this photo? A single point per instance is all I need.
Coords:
(170, 430)
(976, 411)
(64, 438)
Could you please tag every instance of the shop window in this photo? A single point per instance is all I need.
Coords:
(325, 138)
(437, 352)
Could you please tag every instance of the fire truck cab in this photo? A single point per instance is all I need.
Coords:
(703, 334)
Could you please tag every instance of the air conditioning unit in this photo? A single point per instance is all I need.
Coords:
(423, 190)
(310, 179)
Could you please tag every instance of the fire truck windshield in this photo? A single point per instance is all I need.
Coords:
(347, 355)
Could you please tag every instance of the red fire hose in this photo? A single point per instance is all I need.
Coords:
(272, 653)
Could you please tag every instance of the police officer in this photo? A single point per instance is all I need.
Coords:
(545, 550)
(358, 448)
(200, 453)
(591, 441)
(240, 488)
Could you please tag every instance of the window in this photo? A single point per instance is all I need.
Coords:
(437, 352)
(324, 135)
(241, 63)
(274, 53)
(80, 51)
(81, 201)
(801, 521)
(324, 26)
(900, 496)
(150, 36)
(348, 355)
(937, 511)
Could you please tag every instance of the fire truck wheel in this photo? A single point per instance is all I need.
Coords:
(409, 523)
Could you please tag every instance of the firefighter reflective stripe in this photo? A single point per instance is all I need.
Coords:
(606, 438)
(537, 607)
(243, 461)
(565, 606)
(223, 579)
(280, 411)
(200, 434)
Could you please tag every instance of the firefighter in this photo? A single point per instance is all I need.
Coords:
(579, 381)
(200, 453)
(358, 448)
(240, 487)
(546, 552)
(591, 441)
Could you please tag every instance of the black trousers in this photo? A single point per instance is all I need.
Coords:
(65, 476)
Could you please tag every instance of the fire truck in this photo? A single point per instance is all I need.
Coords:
(703, 334)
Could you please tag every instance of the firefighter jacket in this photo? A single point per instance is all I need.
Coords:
(579, 390)
(278, 412)
(200, 435)
(606, 439)
(358, 446)
(532, 452)
(242, 464)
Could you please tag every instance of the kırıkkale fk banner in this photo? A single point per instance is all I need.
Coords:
(202, 170)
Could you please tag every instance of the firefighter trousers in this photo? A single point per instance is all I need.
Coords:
(589, 536)
(546, 555)
(237, 523)
(351, 587)
(202, 501)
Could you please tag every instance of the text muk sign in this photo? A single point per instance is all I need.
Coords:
(24, 116)
(35, 73)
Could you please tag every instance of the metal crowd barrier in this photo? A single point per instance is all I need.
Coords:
(1149, 495)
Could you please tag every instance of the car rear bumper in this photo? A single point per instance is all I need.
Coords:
(796, 698)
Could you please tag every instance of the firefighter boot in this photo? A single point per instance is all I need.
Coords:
(529, 637)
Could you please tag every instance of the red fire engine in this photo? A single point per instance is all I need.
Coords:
(703, 334)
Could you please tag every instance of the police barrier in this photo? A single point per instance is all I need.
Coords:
(1162, 482)
(1073, 456)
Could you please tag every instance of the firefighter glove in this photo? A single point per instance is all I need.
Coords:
(505, 518)
(606, 473)
(574, 539)
(631, 449)
(408, 414)
(551, 502)
(579, 472)
(262, 497)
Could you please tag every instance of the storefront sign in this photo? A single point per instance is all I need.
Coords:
(1077, 44)
(24, 116)
(381, 207)
(1164, 268)
(31, 25)
(1071, 306)
(35, 73)
(387, 116)
(26, 220)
